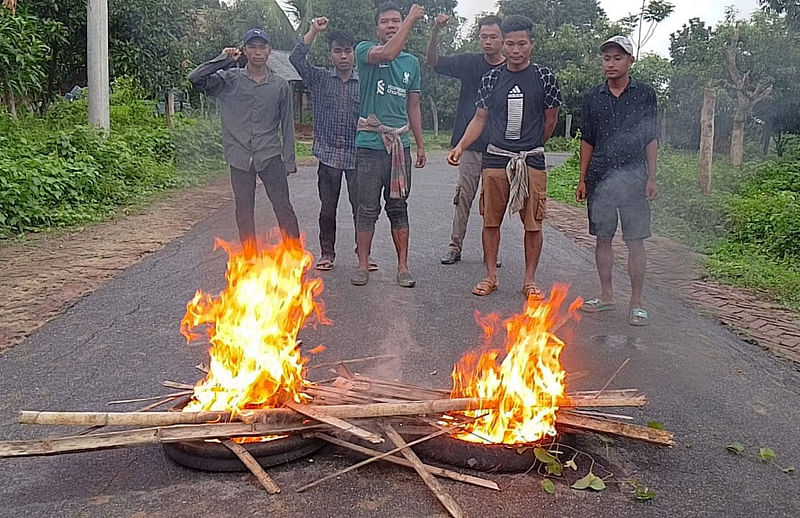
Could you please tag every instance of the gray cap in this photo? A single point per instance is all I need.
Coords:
(622, 42)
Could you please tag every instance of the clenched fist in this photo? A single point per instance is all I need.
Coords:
(416, 13)
(319, 24)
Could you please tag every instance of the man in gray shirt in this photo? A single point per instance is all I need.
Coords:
(256, 107)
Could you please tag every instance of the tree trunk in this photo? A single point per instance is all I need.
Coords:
(169, 108)
(435, 112)
(737, 135)
(11, 102)
(707, 139)
(568, 128)
(766, 136)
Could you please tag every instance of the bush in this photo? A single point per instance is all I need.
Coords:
(57, 171)
(559, 145)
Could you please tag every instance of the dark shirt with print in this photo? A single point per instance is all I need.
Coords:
(516, 102)
(619, 128)
(469, 69)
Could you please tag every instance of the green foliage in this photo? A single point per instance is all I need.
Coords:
(735, 447)
(562, 180)
(559, 145)
(590, 481)
(548, 486)
(58, 171)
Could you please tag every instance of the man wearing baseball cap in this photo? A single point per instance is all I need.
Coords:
(618, 153)
(256, 109)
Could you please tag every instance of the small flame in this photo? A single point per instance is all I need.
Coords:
(527, 381)
(252, 327)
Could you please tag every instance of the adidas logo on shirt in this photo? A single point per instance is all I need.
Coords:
(515, 93)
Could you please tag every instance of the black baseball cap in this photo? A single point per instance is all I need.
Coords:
(255, 33)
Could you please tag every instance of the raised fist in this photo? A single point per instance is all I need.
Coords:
(319, 24)
(416, 13)
(233, 52)
(441, 20)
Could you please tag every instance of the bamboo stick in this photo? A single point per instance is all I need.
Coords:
(151, 398)
(436, 488)
(354, 360)
(631, 431)
(144, 436)
(440, 472)
(369, 461)
(169, 418)
(318, 414)
(253, 465)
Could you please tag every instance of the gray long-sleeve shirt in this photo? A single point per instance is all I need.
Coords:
(252, 113)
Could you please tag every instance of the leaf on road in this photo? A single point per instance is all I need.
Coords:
(543, 457)
(590, 481)
(766, 454)
(788, 469)
(656, 425)
(736, 447)
(571, 464)
(548, 486)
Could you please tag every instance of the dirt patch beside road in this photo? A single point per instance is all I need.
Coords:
(46, 273)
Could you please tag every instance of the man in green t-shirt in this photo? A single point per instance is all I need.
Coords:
(390, 88)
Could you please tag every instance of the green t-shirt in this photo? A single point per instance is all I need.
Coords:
(384, 92)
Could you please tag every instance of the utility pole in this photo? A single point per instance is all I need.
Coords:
(97, 63)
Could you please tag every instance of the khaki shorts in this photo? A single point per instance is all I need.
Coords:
(495, 191)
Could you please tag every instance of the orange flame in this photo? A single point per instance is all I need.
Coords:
(252, 327)
(527, 383)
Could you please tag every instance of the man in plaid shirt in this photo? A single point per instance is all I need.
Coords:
(336, 99)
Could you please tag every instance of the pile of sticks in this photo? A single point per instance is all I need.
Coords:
(350, 404)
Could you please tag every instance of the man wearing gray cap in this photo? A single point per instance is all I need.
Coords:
(256, 108)
(618, 152)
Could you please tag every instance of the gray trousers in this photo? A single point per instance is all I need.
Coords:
(469, 176)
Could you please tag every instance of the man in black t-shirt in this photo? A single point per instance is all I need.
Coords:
(619, 147)
(518, 102)
(468, 68)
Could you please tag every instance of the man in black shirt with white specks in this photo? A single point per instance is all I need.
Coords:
(619, 147)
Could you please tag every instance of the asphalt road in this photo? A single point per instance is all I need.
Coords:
(704, 384)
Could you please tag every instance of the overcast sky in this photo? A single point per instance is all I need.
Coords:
(710, 11)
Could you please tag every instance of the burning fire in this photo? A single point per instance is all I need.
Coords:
(527, 383)
(252, 327)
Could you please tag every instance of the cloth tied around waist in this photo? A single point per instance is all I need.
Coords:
(517, 172)
(392, 141)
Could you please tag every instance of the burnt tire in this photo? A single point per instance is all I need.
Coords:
(492, 458)
(215, 456)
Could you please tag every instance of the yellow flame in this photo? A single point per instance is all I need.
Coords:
(527, 384)
(252, 327)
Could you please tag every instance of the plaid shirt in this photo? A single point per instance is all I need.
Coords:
(336, 108)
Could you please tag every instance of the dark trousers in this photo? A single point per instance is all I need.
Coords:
(273, 176)
(374, 177)
(329, 183)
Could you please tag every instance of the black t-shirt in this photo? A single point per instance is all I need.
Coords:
(516, 102)
(619, 128)
(469, 69)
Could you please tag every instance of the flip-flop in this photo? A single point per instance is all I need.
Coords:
(405, 280)
(532, 290)
(639, 318)
(485, 287)
(597, 306)
(372, 266)
(360, 278)
(324, 265)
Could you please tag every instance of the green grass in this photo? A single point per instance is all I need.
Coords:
(436, 143)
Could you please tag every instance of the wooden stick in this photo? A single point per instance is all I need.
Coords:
(355, 360)
(143, 436)
(318, 414)
(612, 377)
(441, 472)
(436, 488)
(370, 461)
(151, 398)
(440, 406)
(176, 385)
(604, 401)
(253, 465)
(143, 409)
(631, 431)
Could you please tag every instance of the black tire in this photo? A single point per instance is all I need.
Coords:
(214, 456)
(491, 458)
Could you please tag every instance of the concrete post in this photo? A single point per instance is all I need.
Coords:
(97, 63)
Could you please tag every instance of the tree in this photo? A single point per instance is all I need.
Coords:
(650, 15)
(23, 55)
(552, 14)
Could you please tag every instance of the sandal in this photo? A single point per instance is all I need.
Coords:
(597, 306)
(324, 264)
(531, 290)
(372, 266)
(639, 318)
(360, 278)
(405, 280)
(485, 287)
